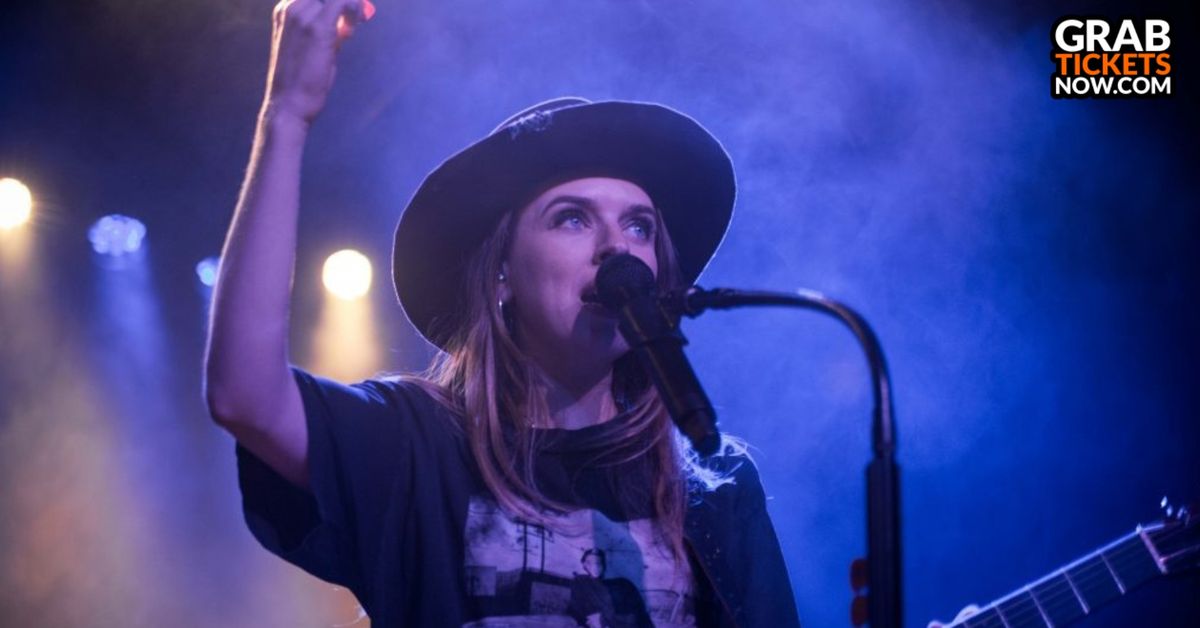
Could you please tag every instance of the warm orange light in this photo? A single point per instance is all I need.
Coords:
(347, 274)
(16, 203)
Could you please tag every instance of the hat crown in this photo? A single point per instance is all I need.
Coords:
(538, 116)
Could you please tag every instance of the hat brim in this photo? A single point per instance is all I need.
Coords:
(681, 166)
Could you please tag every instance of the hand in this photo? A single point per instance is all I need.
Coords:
(966, 612)
(305, 38)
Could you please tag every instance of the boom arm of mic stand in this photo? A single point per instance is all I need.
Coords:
(883, 487)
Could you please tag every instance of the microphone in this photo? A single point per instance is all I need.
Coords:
(626, 284)
(649, 322)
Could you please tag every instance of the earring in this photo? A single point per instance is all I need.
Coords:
(500, 303)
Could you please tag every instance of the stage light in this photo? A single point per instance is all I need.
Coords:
(16, 203)
(347, 274)
(117, 235)
(206, 270)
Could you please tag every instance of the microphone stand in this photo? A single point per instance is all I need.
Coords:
(884, 602)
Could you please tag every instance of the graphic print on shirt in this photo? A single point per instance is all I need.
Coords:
(584, 570)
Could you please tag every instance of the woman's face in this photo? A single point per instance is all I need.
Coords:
(561, 238)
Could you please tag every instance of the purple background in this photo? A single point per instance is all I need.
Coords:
(1029, 264)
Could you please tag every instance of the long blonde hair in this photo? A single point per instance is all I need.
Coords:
(487, 381)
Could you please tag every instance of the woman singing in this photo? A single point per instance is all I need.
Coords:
(532, 476)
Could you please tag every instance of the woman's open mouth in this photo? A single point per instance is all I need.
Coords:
(592, 304)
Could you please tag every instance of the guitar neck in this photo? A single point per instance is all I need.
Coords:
(1071, 593)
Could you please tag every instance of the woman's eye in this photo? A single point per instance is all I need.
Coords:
(643, 228)
(571, 217)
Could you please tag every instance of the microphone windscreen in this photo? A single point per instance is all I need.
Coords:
(623, 277)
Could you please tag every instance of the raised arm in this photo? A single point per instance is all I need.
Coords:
(248, 386)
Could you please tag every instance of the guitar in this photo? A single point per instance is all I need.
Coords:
(1078, 589)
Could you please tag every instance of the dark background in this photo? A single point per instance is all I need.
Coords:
(1029, 264)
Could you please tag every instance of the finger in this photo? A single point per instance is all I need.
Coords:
(966, 612)
(344, 29)
(334, 10)
(346, 23)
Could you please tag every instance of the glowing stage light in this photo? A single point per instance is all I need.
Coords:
(117, 235)
(347, 274)
(16, 203)
(206, 270)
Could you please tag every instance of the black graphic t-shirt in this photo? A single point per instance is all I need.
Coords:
(397, 513)
(604, 563)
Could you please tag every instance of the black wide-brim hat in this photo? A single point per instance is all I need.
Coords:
(680, 165)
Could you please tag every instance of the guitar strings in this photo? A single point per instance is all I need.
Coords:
(1122, 555)
(1088, 573)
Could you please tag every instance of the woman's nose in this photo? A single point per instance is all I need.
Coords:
(609, 247)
